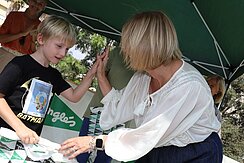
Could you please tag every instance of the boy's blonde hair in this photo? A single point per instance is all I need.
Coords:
(57, 27)
(148, 40)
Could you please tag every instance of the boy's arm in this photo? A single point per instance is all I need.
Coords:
(25, 134)
(74, 95)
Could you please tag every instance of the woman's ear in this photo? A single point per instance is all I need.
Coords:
(39, 39)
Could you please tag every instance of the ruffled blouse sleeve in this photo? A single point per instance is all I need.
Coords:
(108, 117)
(119, 105)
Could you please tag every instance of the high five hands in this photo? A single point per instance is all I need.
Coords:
(102, 60)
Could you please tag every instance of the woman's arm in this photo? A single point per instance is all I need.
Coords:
(172, 116)
(104, 84)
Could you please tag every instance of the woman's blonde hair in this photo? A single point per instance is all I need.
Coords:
(148, 40)
(221, 82)
(57, 27)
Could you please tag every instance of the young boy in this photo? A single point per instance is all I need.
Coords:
(28, 82)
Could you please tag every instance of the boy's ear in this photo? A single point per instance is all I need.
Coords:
(40, 39)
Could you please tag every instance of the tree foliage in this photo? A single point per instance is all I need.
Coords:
(233, 139)
(90, 43)
(233, 121)
(233, 104)
(71, 69)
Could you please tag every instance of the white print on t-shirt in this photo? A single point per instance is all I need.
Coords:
(38, 98)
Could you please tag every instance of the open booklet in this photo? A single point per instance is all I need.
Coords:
(12, 150)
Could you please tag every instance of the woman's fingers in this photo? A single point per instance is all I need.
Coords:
(74, 146)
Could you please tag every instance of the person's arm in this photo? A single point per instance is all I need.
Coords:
(5, 36)
(112, 113)
(74, 95)
(25, 134)
(172, 116)
(131, 144)
(104, 84)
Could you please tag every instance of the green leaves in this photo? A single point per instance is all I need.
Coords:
(233, 121)
(71, 69)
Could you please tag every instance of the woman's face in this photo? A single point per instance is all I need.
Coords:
(213, 84)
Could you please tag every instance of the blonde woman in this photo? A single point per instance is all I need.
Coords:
(168, 98)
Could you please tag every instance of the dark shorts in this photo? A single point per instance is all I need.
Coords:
(208, 151)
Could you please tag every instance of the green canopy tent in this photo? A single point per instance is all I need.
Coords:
(210, 31)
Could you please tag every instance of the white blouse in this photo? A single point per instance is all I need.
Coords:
(179, 113)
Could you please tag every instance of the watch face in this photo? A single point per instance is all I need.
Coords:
(99, 143)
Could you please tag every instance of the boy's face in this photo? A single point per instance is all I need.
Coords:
(54, 49)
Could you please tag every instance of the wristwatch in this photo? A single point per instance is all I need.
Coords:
(99, 143)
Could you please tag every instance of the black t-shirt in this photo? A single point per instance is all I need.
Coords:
(15, 81)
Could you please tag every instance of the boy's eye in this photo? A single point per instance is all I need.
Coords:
(60, 46)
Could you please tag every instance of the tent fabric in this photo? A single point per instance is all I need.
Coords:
(209, 31)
